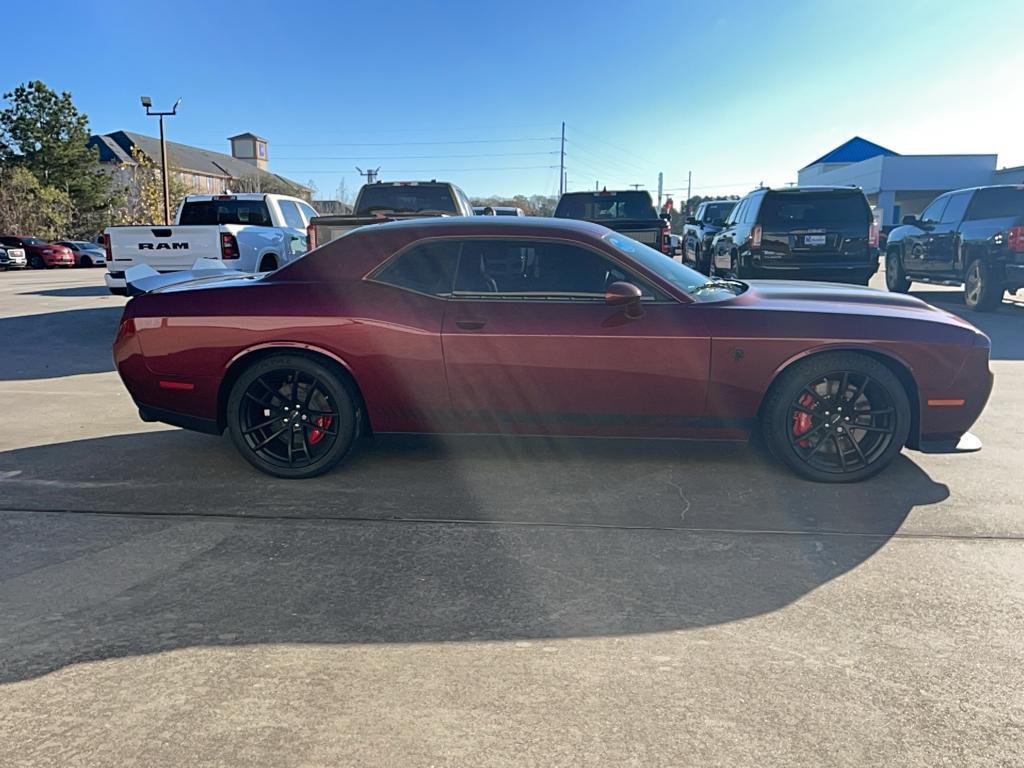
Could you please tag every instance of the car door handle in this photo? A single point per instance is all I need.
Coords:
(470, 325)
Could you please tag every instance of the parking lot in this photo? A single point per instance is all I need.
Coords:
(485, 602)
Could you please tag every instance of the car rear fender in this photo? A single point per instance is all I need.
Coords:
(899, 367)
(247, 357)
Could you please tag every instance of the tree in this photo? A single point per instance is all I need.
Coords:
(43, 132)
(30, 208)
(141, 198)
(267, 182)
(342, 193)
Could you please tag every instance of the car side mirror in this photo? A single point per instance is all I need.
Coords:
(910, 219)
(622, 294)
(690, 220)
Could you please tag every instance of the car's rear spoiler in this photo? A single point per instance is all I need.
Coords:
(142, 278)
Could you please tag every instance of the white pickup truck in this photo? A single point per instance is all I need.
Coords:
(251, 232)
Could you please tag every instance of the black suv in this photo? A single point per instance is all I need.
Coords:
(970, 236)
(814, 233)
(700, 231)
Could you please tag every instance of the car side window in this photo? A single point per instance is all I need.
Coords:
(956, 207)
(738, 211)
(750, 212)
(700, 212)
(424, 268)
(933, 213)
(290, 212)
(538, 269)
(308, 212)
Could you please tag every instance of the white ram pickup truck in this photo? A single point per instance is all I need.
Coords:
(252, 232)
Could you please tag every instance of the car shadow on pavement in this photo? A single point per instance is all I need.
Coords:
(1004, 325)
(82, 290)
(414, 540)
(55, 344)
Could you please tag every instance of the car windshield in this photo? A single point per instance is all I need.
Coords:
(405, 198)
(813, 210)
(606, 206)
(688, 280)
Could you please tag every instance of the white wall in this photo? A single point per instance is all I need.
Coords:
(937, 172)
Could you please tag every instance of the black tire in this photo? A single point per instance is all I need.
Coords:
(983, 290)
(268, 263)
(36, 262)
(837, 417)
(321, 416)
(85, 262)
(896, 280)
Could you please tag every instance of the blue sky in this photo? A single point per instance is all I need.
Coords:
(475, 92)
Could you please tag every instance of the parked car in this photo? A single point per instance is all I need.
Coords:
(815, 233)
(499, 210)
(252, 232)
(39, 253)
(675, 246)
(12, 258)
(971, 237)
(86, 254)
(381, 202)
(700, 230)
(630, 212)
(547, 326)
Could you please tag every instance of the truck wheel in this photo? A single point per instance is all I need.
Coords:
(268, 263)
(983, 291)
(896, 279)
(36, 262)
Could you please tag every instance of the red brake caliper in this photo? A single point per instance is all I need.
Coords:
(801, 420)
(316, 435)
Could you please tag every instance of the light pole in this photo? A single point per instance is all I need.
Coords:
(148, 104)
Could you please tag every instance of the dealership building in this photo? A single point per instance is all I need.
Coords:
(897, 185)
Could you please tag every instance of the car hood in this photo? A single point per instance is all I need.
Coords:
(839, 298)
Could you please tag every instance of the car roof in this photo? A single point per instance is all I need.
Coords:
(476, 225)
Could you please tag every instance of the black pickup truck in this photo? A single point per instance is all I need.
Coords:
(630, 212)
(700, 229)
(971, 237)
(392, 201)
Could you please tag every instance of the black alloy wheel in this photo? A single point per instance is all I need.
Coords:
(291, 416)
(837, 417)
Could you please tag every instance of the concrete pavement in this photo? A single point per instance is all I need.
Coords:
(481, 602)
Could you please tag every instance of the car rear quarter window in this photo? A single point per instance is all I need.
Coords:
(996, 203)
(812, 210)
(424, 268)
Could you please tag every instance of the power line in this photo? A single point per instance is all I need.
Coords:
(604, 160)
(421, 143)
(412, 157)
(435, 170)
(644, 160)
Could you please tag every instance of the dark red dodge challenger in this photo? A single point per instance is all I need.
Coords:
(549, 327)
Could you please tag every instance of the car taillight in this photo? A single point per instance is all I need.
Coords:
(873, 234)
(106, 247)
(310, 237)
(666, 240)
(228, 246)
(1015, 239)
(755, 236)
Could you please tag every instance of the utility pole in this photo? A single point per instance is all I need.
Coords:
(561, 164)
(595, 185)
(371, 175)
(661, 181)
(148, 104)
(689, 179)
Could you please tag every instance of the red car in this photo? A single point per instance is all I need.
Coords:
(544, 326)
(40, 253)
